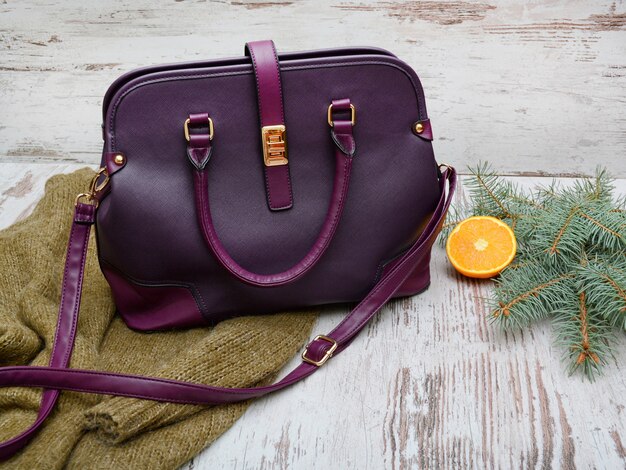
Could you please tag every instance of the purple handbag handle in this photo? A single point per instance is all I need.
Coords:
(199, 151)
(277, 180)
(58, 377)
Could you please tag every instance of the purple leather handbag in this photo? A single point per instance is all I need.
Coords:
(251, 185)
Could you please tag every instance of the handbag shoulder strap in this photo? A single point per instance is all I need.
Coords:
(57, 376)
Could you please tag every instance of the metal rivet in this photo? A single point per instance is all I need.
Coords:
(419, 127)
(119, 159)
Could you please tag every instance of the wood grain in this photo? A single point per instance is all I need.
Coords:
(538, 88)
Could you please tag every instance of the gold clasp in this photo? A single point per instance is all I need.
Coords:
(94, 187)
(330, 115)
(274, 145)
(327, 355)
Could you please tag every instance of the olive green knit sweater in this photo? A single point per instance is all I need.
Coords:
(92, 431)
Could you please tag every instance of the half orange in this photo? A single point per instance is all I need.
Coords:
(481, 246)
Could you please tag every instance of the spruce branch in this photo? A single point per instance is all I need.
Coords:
(529, 293)
(563, 238)
(605, 284)
(548, 194)
(489, 193)
(605, 228)
(570, 264)
(584, 336)
(497, 197)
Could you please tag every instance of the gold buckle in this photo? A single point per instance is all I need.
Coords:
(186, 129)
(274, 145)
(89, 197)
(330, 115)
(446, 166)
(328, 354)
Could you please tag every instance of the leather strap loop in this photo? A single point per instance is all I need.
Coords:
(271, 113)
(59, 377)
(199, 147)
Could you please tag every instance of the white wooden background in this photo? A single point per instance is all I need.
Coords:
(537, 88)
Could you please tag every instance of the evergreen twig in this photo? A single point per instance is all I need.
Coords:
(571, 260)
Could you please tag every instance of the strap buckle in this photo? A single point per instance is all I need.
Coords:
(327, 355)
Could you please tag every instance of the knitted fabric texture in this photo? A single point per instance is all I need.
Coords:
(93, 431)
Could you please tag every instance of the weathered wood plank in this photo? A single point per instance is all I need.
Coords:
(22, 185)
(537, 88)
